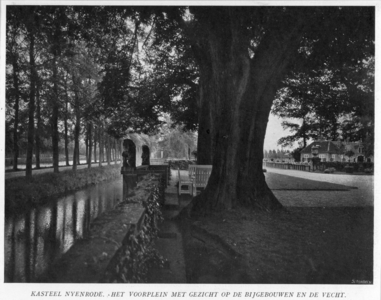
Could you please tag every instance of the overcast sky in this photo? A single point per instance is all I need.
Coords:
(274, 132)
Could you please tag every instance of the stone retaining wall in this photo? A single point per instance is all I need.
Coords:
(95, 258)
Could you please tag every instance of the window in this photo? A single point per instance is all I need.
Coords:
(334, 156)
(306, 155)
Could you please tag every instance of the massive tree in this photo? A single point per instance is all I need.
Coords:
(245, 53)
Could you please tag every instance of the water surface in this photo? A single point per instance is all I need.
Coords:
(39, 236)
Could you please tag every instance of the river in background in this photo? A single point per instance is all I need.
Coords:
(39, 236)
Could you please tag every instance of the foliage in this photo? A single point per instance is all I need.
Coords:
(180, 164)
(330, 170)
(296, 154)
(334, 100)
(275, 154)
(174, 140)
(348, 169)
(340, 166)
(226, 62)
(349, 153)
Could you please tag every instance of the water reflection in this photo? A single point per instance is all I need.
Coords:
(36, 238)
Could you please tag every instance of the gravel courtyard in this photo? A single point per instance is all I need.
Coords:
(324, 235)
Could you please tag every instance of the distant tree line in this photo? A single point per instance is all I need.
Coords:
(274, 154)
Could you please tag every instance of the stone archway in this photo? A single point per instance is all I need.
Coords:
(129, 155)
(146, 155)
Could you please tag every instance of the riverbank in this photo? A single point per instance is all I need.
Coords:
(22, 191)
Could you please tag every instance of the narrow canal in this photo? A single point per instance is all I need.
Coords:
(39, 236)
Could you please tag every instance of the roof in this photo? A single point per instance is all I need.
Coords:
(324, 147)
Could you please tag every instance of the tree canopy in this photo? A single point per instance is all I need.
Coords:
(217, 69)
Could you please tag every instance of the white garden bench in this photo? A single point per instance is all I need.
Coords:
(185, 183)
(201, 176)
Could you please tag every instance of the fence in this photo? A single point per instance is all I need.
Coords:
(287, 166)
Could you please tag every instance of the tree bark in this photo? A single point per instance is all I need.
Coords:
(33, 76)
(77, 125)
(204, 140)
(54, 117)
(16, 108)
(100, 133)
(66, 126)
(95, 144)
(241, 92)
(89, 143)
(108, 150)
(37, 135)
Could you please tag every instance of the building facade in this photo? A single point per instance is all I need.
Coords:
(331, 151)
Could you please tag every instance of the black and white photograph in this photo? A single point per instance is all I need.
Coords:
(164, 149)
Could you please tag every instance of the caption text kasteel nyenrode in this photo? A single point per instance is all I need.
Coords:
(191, 294)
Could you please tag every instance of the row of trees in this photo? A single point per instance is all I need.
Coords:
(273, 154)
(85, 72)
(217, 69)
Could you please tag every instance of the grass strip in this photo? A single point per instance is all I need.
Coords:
(22, 191)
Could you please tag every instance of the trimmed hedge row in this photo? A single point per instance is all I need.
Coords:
(346, 167)
(182, 164)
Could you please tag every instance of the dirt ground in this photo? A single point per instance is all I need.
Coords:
(324, 235)
(300, 245)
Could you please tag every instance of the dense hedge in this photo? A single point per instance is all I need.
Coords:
(180, 164)
(21, 190)
(340, 166)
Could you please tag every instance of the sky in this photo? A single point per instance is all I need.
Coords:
(274, 132)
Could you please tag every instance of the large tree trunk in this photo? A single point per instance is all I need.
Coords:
(89, 126)
(33, 76)
(54, 117)
(100, 134)
(37, 135)
(241, 92)
(87, 143)
(108, 149)
(115, 152)
(204, 139)
(95, 143)
(16, 108)
(66, 125)
(77, 127)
